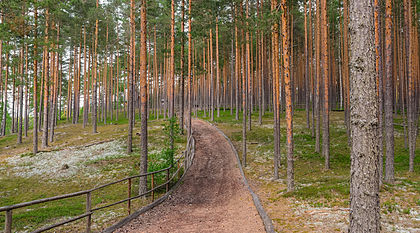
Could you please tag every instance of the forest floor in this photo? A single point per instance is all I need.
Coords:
(76, 160)
(212, 197)
(321, 200)
(80, 160)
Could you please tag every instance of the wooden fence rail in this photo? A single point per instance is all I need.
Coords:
(187, 157)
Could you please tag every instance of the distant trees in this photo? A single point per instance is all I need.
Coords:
(236, 59)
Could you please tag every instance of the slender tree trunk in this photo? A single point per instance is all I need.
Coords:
(311, 66)
(46, 85)
(364, 185)
(288, 92)
(379, 84)
(232, 72)
(276, 90)
(144, 96)
(55, 84)
(182, 86)
(189, 68)
(14, 123)
(85, 85)
(326, 118)
(3, 88)
(248, 71)
(389, 124)
(346, 72)
(20, 115)
(211, 80)
(35, 85)
(26, 91)
(95, 78)
(217, 69)
(318, 78)
(131, 78)
(172, 71)
(411, 103)
(237, 67)
(3, 119)
(306, 72)
(244, 100)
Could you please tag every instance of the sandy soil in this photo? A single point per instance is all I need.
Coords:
(212, 197)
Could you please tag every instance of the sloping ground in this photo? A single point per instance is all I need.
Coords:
(212, 198)
(64, 163)
(77, 160)
(321, 199)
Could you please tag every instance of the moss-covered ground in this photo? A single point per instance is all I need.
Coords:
(15, 188)
(321, 199)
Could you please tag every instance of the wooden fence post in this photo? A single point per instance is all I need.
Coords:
(179, 172)
(167, 180)
(129, 196)
(8, 223)
(88, 208)
(153, 186)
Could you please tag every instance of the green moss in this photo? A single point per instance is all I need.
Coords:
(313, 182)
(16, 189)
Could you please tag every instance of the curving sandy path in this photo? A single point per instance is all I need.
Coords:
(212, 197)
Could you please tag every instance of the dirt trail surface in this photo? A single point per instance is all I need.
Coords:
(212, 198)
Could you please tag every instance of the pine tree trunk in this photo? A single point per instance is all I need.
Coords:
(232, 72)
(35, 85)
(411, 105)
(248, 66)
(364, 183)
(26, 91)
(172, 72)
(20, 97)
(311, 65)
(211, 79)
(288, 92)
(182, 86)
(189, 68)
(217, 69)
(389, 124)
(85, 85)
(144, 96)
(318, 78)
(244, 100)
(276, 90)
(379, 84)
(3, 87)
(95, 78)
(346, 72)
(306, 71)
(131, 78)
(237, 66)
(46, 86)
(13, 129)
(325, 117)
(3, 119)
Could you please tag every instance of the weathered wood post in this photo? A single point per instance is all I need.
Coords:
(8, 223)
(153, 186)
(88, 208)
(129, 196)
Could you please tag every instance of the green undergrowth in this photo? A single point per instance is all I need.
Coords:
(314, 184)
(15, 189)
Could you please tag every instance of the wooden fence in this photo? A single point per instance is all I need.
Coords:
(185, 161)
